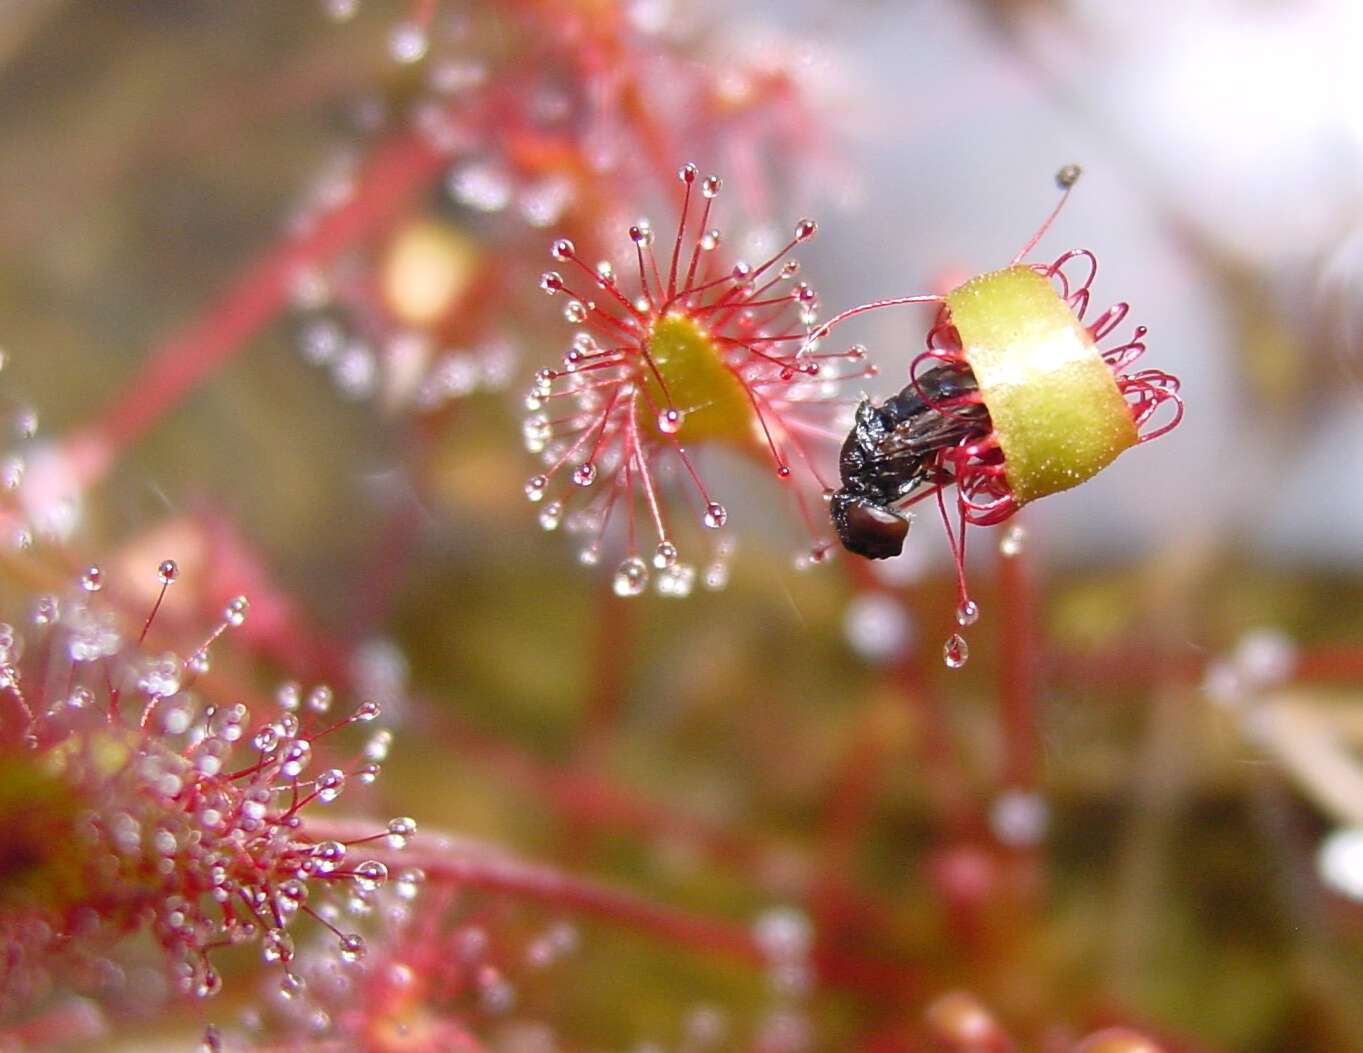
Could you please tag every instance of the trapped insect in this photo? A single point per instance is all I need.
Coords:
(1013, 399)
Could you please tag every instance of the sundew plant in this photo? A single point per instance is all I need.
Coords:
(522, 527)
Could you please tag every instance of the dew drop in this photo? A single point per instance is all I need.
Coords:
(370, 874)
(805, 229)
(641, 234)
(291, 985)
(407, 43)
(366, 711)
(400, 831)
(1068, 176)
(552, 515)
(783, 471)
(562, 249)
(551, 282)
(236, 611)
(1012, 542)
(955, 652)
(352, 947)
(209, 983)
(168, 571)
(320, 698)
(716, 515)
(330, 784)
(535, 488)
(26, 423)
(676, 580)
(631, 577)
(711, 186)
(211, 1041)
(968, 613)
(709, 241)
(584, 474)
(687, 173)
(46, 610)
(277, 946)
(575, 311)
(92, 580)
(12, 473)
(329, 854)
(665, 555)
(670, 421)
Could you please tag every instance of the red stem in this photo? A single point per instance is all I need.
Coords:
(466, 863)
(399, 167)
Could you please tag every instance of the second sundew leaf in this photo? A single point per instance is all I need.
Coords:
(713, 404)
(1055, 405)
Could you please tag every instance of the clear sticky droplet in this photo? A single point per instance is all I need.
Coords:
(631, 577)
(407, 43)
(955, 652)
(968, 613)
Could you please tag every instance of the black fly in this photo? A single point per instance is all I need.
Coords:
(891, 451)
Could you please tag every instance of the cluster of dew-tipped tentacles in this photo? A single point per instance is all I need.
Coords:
(705, 351)
(141, 803)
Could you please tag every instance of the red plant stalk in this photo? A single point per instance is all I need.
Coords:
(467, 863)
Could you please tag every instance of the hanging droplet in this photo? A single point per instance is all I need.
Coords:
(584, 474)
(167, 571)
(968, 613)
(955, 652)
(562, 249)
(711, 186)
(665, 555)
(716, 515)
(805, 229)
(631, 577)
